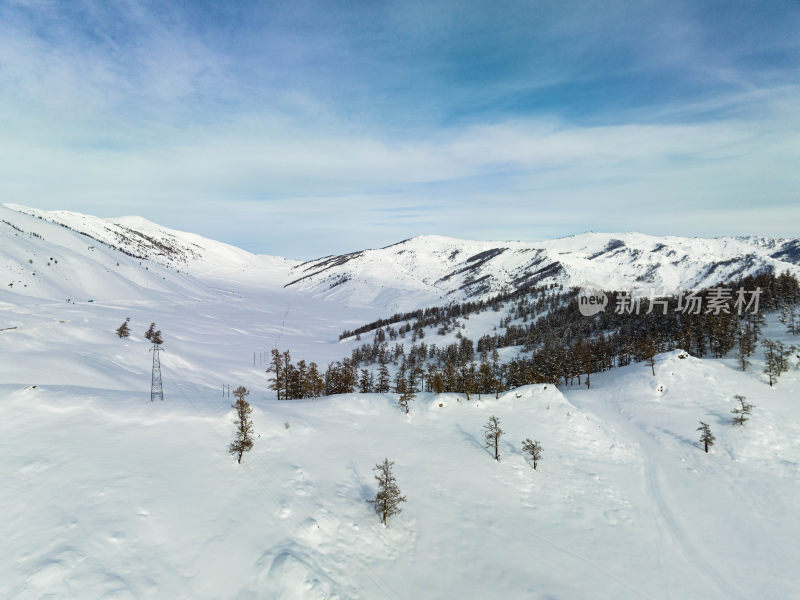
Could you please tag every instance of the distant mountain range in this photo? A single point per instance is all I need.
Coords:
(412, 273)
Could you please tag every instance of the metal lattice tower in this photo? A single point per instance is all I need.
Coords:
(156, 390)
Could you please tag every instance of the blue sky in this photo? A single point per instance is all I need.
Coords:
(309, 128)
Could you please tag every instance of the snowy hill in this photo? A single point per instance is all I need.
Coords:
(454, 269)
(60, 255)
(413, 273)
(108, 495)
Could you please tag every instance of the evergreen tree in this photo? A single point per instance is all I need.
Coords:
(777, 359)
(383, 378)
(405, 398)
(302, 375)
(315, 382)
(492, 433)
(400, 383)
(415, 377)
(288, 367)
(496, 373)
(154, 335)
(742, 412)
(348, 377)
(123, 330)
(790, 318)
(706, 438)
(771, 364)
(365, 382)
(745, 344)
(533, 449)
(487, 382)
(387, 500)
(244, 425)
(276, 367)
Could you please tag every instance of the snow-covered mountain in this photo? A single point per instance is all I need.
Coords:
(415, 272)
(59, 255)
(457, 269)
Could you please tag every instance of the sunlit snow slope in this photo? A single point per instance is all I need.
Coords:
(108, 495)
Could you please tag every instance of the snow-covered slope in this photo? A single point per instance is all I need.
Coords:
(455, 269)
(108, 495)
(416, 272)
(60, 255)
(145, 240)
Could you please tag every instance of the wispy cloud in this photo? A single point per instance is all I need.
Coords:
(520, 121)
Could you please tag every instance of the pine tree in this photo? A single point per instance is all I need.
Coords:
(276, 367)
(300, 383)
(148, 335)
(315, 381)
(486, 379)
(498, 379)
(437, 383)
(365, 382)
(492, 434)
(777, 359)
(746, 344)
(244, 425)
(789, 318)
(288, 368)
(123, 330)
(742, 412)
(387, 500)
(533, 449)
(706, 438)
(383, 377)
(400, 383)
(405, 398)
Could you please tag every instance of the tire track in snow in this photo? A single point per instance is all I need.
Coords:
(666, 523)
(676, 533)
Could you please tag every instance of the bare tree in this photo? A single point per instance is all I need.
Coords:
(244, 425)
(387, 500)
(533, 449)
(492, 434)
(650, 361)
(706, 438)
(742, 412)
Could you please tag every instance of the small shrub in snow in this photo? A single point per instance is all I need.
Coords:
(706, 437)
(244, 425)
(533, 449)
(123, 330)
(742, 412)
(492, 433)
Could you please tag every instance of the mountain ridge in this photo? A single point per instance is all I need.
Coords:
(431, 269)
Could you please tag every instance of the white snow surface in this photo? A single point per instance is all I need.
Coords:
(107, 495)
